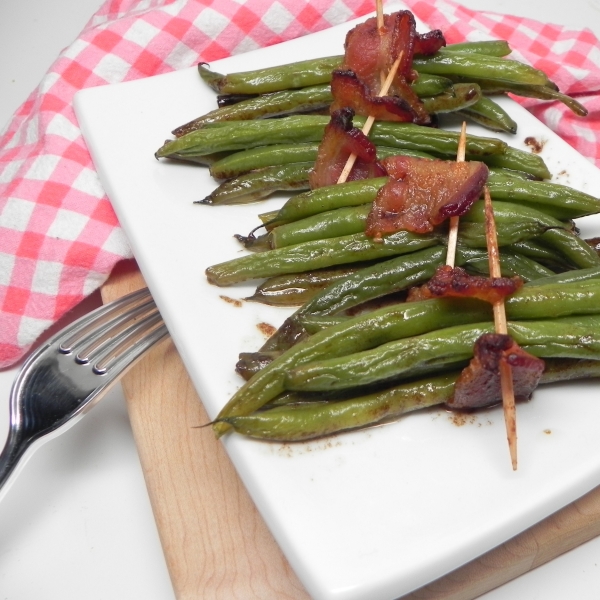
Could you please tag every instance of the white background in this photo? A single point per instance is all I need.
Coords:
(77, 522)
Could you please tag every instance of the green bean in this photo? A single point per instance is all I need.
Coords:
(404, 320)
(229, 136)
(478, 66)
(490, 115)
(264, 106)
(541, 254)
(341, 221)
(301, 100)
(259, 184)
(361, 333)
(312, 72)
(430, 85)
(576, 250)
(542, 92)
(512, 264)
(429, 352)
(427, 139)
(581, 276)
(315, 255)
(510, 160)
(459, 97)
(272, 79)
(313, 420)
(297, 288)
(294, 423)
(351, 193)
(558, 200)
(375, 281)
(355, 193)
(497, 48)
(564, 294)
(519, 160)
(244, 161)
(349, 220)
(274, 155)
(473, 235)
(508, 212)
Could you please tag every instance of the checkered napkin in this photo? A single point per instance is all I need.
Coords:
(59, 237)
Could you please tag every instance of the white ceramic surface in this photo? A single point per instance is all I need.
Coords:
(371, 514)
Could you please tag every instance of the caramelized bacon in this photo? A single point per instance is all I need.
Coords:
(369, 52)
(423, 193)
(429, 43)
(349, 91)
(479, 384)
(340, 140)
(456, 282)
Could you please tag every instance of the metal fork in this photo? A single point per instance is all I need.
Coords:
(69, 373)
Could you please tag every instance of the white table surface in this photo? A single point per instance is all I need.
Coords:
(77, 523)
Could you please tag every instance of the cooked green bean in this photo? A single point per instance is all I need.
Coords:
(511, 263)
(244, 161)
(558, 200)
(405, 320)
(351, 219)
(274, 155)
(497, 48)
(570, 337)
(458, 97)
(542, 92)
(264, 106)
(259, 184)
(490, 115)
(478, 66)
(272, 79)
(313, 420)
(541, 254)
(310, 420)
(229, 136)
(297, 288)
(341, 221)
(427, 139)
(315, 255)
(577, 251)
(351, 193)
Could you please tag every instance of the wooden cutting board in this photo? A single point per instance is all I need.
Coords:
(216, 544)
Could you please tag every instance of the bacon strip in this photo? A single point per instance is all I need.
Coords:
(340, 140)
(423, 193)
(370, 51)
(349, 91)
(479, 384)
(456, 282)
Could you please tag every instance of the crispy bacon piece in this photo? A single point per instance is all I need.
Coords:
(479, 384)
(429, 43)
(423, 193)
(349, 91)
(456, 282)
(370, 52)
(340, 140)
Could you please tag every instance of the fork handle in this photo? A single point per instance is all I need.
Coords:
(12, 460)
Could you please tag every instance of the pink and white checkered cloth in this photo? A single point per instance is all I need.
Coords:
(59, 237)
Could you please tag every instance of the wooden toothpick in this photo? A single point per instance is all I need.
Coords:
(453, 229)
(500, 326)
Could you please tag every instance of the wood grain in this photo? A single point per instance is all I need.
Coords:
(216, 545)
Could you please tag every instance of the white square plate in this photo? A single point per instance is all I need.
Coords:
(371, 514)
